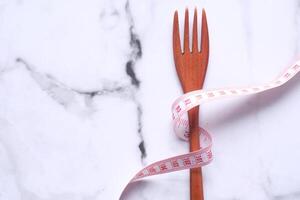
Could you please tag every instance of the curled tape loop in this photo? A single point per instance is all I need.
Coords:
(180, 124)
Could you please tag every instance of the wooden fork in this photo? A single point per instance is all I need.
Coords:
(191, 65)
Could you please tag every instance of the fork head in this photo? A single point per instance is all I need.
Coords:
(191, 64)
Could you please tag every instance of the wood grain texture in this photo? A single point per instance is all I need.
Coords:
(191, 65)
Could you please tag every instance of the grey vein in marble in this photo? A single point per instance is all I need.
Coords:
(135, 54)
(67, 96)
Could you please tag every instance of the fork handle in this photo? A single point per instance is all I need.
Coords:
(196, 184)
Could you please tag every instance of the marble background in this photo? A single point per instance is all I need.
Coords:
(86, 89)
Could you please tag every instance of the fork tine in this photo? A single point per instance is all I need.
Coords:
(176, 38)
(186, 31)
(204, 38)
(195, 33)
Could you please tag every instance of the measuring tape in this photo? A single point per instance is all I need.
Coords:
(192, 99)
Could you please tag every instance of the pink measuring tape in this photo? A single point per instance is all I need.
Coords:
(180, 122)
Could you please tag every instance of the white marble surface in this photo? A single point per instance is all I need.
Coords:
(86, 89)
